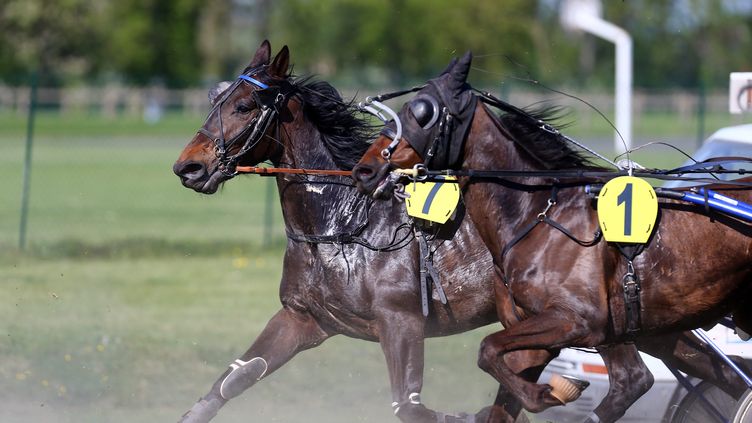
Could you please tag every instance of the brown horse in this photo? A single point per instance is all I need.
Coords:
(350, 266)
(568, 295)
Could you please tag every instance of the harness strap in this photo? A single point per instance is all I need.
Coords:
(522, 234)
(542, 218)
(596, 235)
(428, 274)
(632, 288)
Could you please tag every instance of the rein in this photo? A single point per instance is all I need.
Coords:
(421, 173)
(270, 171)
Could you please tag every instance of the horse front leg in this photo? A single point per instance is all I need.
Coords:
(529, 365)
(401, 336)
(285, 335)
(551, 329)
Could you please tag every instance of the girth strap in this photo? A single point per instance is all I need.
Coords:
(632, 288)
(428, 274)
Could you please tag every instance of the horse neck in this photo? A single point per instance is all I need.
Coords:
(490, 147)
(317, 205)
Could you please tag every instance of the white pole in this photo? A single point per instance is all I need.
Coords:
(585, 15)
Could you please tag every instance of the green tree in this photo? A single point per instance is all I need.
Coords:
(155, 39)
(58, 37)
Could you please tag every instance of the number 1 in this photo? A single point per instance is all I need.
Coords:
(626, 198)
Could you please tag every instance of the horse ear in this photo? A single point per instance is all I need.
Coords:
(217, 90)
(449, 66)
(262, 56)
(460, 71)
(281, 63)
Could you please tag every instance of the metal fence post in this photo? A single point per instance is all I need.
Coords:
(701, 104)
(268, 212)
(27, 162)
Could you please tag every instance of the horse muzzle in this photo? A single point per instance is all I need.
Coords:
(195, 175)
(374, 180)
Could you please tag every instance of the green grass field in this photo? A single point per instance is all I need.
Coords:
(134, 293)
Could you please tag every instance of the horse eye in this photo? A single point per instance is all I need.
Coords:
(242, 108)
(423, 111)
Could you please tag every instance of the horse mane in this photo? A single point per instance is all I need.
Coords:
(549, 149)
(344, 133)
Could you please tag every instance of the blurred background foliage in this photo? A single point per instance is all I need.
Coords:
(365, 43)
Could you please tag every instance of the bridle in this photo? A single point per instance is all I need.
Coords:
(270, 100)
(430, 117)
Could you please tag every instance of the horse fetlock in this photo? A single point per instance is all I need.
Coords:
(539, 398)
(203, 411)
(243, 375)
(411, 410)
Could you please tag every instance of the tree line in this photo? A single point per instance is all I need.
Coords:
(367, 43)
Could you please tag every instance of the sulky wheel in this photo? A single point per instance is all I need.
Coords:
(743, 410)
(693, 409)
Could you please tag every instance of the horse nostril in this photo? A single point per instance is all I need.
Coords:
(189, 170)
(362, 172)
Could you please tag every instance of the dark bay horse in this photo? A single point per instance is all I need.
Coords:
(335, 280)
(693, 271)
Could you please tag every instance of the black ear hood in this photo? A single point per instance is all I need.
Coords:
(440, 139)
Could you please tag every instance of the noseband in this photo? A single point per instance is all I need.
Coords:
(270, 100)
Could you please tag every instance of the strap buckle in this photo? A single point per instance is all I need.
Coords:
(542, 215)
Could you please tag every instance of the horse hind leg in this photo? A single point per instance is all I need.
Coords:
(743, 320)
(629, 379)
(684, 351)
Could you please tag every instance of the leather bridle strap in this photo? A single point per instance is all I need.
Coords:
(256, 128)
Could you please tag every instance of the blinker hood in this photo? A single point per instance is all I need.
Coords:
(441, 141)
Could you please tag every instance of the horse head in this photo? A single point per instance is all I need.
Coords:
(239, 128)
(434, 125)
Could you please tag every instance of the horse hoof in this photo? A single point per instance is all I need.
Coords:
(567, 388)
(201, 412)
